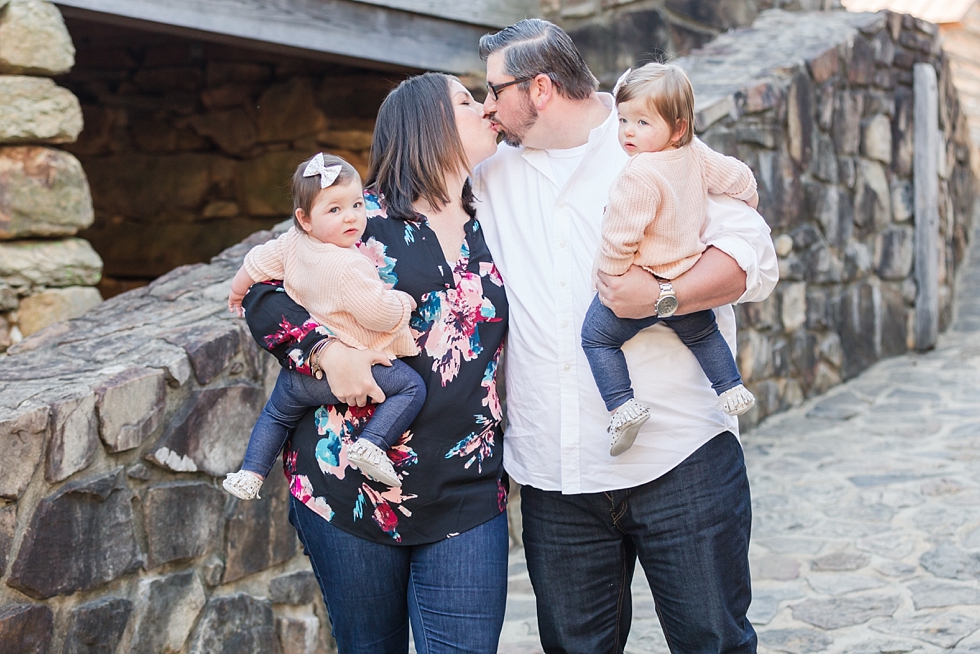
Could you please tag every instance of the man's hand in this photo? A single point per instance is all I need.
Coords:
(715, 280)
(753, 201)
(633, 294)
(348, 371)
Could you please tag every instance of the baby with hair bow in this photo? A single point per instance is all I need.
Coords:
(322, 270)
(653, 220)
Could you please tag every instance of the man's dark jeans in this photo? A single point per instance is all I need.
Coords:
(690, 531)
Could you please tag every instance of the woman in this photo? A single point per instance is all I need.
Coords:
(433, 552)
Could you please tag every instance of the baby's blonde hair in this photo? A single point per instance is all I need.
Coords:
(667, 91)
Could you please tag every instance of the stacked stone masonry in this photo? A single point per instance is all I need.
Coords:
(117, 426)
(820, 106)
(46, 274)
(115, 535)
(614, 35)
(189, 146)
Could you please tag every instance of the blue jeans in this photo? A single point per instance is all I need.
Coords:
(603, 335)
(295, 393)
(453, 591)
(690, 531)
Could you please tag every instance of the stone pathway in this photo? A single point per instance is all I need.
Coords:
(866, 533)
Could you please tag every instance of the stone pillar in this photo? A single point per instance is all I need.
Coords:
(46, 275)
(926, 181)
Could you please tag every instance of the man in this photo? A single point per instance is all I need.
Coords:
(679, 499)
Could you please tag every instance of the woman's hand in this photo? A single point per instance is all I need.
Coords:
(348, 371)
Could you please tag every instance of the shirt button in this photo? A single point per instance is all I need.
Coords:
(561, 205)
(567, 367)
(562, 282)
(561, 244)
(564, 323)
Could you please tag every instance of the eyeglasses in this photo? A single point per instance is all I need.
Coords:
(495, 89)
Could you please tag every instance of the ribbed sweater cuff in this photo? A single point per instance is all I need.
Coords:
(612, 266)
(406, 311)
(745, 194)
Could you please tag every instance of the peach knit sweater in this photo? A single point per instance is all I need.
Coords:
(657, 204)
(340, 288)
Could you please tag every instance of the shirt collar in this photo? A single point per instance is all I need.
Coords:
(538, 159)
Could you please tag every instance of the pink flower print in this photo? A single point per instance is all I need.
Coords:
(359, 413)
(501, 496)
(382, 514)
(448, 322)
(489, 270)
(289, 333)
(302, 489)
(395, 497)
(375, 252)
(336, 429)
(492, 400)
(319, 505)
(477, 445)
(386, 519)
(288, 462)
(401, 454)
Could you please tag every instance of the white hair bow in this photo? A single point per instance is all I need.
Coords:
(621, 81)
(328, 174)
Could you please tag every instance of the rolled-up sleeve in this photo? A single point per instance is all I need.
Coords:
(740, 232)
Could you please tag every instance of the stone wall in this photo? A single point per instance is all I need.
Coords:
(189, 146)
(46, 274)
(116, 426)
(820, 106)
(615, 34)
(115, 430)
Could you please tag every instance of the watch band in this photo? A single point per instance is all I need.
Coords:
(667, 302)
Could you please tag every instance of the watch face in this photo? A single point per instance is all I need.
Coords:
(666, 306)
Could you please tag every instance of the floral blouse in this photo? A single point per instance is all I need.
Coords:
(450, 460)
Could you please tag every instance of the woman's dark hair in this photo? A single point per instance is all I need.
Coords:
(534, 46)
(305, 189)
(415, 143)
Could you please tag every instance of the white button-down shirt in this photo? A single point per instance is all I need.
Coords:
(543, 239)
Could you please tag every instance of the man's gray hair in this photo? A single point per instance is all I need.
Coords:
(534, 46)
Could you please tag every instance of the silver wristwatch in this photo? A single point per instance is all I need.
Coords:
(667, 302)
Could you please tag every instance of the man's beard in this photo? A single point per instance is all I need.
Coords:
(514, 136)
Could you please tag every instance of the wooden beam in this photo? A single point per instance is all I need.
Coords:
(350, 31)
(490, 13)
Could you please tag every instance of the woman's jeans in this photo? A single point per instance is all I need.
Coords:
(603, 335)
(453, 591)
(295, 393)
(690, 531)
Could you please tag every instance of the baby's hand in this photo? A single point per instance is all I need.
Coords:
(753, 201)
(235, 304)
